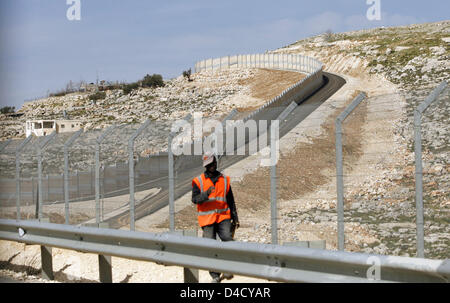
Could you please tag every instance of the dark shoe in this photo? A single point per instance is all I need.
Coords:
(227, 276)
(215, 280)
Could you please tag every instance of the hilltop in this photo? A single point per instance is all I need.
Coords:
(212, 93)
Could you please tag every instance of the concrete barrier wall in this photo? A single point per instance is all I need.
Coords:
(292, 62)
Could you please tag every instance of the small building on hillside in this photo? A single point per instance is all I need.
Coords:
(46, 127)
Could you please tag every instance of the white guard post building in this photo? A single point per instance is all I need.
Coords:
(46, 127)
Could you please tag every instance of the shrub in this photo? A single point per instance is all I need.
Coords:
(58, 94)
(97, 96)
(329, 36)
(187, 74)
(127, 88)
(7, 109)
(154, 80)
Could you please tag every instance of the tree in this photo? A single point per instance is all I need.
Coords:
(329, 35)
(187, 74)
(127, 88)
(154, 80)
(97, 96)
(8, 109)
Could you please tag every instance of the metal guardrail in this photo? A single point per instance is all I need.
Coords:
(272, 262)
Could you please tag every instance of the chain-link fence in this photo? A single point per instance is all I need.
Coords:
(352, 184)
(87, 178)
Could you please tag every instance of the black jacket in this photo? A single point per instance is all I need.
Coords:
(199, 197)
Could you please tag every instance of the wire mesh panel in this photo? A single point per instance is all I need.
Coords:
(7, 175)
(17, 160)
(373, 152)
(89, 181)
(379, 175)
(435, 130)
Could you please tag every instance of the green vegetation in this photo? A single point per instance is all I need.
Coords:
(154, 80)
(127, 88)
(59, 94)
(151, 81)
(97, 96)
(148, 98)
(7, 109)
(187, 74)
(329, 37)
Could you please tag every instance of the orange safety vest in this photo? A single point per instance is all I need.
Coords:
(215, 209)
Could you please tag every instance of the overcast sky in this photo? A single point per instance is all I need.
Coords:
(41, 50)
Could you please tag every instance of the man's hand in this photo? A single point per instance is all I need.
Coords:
(210, 190)
(234, 226)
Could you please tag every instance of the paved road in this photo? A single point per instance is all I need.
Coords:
(332, 83)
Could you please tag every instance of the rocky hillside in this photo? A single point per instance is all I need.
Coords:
(379, 158)
(411, 56)
(213, 94)
(415, 59)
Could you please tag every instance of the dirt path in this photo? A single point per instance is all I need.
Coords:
(267, 83)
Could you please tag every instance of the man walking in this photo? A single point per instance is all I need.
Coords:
(217, 213)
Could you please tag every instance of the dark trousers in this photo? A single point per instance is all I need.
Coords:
(223, 229)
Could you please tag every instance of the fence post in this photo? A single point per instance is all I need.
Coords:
(418, 165)
(32, 190)
(131, 169)
(41, 148)
(98, 142)
(66, 172)
(339, 168)
(48, 186)
(104, 262)
(6, 144)
(18, 152)
(171, 185)
(46, 258)
(274, 128)
(78, 183)
(191, 275)
(172, 179)
(102, 202)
